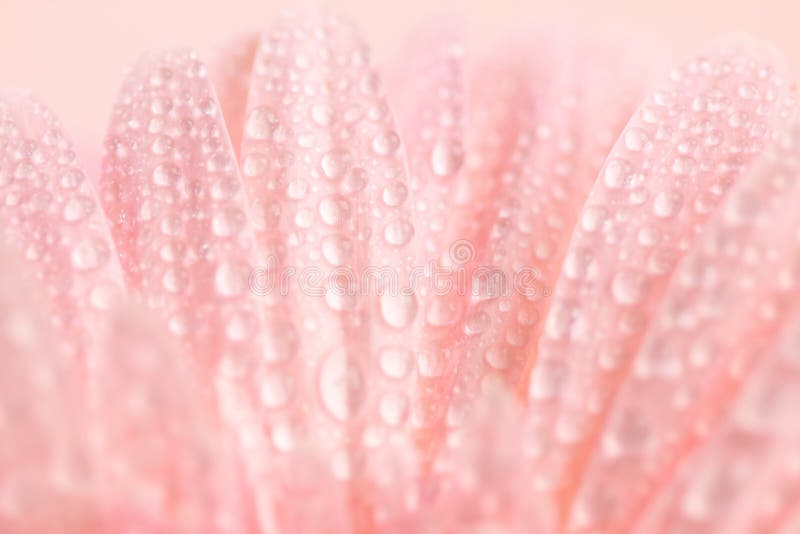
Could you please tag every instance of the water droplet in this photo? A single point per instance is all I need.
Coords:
(398, 232)
(442, 311)
(477, 323)
(446, 158)
(335, 163)
(162, 145)
(334, 210)
(398, 310)
(78, 208)
(341, 294)
(593, 218)
(322, 114)
(430, 363)
(231, 279)
(635, 139)
(337, 249)
(255, 164)
(228, 222)
(667, 204)
(682, 165)
(166, 175)
(261, 122)
(396, 362)
(498, 357)
(90, 254)
(615, 175)
(275, 389)
(394, 194)
(628, 287)
(393, 408)
(341, 385)
(385, 143)
(175, 280)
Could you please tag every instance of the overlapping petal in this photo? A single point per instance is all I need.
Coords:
(283, 359)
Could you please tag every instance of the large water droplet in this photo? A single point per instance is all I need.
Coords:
(446, 158)
(334, 210)
(341, 385)
(261, 122)
(398, 232)
(398, 310)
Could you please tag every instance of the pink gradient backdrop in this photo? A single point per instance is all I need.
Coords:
(73, 53)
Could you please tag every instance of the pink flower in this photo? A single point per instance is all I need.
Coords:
(470, 299)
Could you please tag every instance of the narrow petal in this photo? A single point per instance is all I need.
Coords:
(50, 217)
(578, 95)
(172, 192)
(680, 153)
(325, 178)
(230, 69)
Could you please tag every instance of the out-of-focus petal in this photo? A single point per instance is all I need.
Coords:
(724, 305)
(677, 157)
(487, 487)
(50, 217)
(753, 457)
(164, 460)
(45, 477)
(173, 195)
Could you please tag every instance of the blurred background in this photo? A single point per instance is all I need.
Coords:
(73, 54)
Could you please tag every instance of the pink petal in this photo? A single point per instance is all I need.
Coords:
(728, 297)
(50, 217)
(745, 475)
(172, 192)
(319, 152)
(486, 488)
(44, 480)
(570, 113)
(230, 70)
(164, 459)
(683, 148)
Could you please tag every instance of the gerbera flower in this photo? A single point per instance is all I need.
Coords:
(548, 289)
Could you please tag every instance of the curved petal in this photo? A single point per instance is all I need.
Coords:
(679, 154)
(724, 304)
(172, 192)
(230, 69)
(50, 217)
(324, 172)
(574, 113)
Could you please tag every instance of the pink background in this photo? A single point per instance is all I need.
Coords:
(73, 53)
